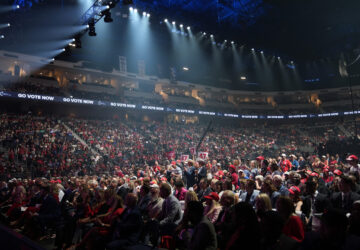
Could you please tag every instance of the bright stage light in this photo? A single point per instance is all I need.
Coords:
(173, 22)
(243, 77)
(52, 59)
(18, 6)
(232, 42)
(185, 68)
(292, 62)
(108, 7)
(204, 33)
(262, 52)
(181, 25)
(278, 57)
(148, 15)
(63, 49)
(225, 41)
(131, 9)
(135, 10)
(212, 36)
(188, 27)
(144, 13)
(8, 24)
(252, 49)
(165, 20)
(2, 37)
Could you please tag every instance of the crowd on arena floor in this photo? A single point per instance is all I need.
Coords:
(255, 189)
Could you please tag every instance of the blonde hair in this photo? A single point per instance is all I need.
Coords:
(265, 199)
(190, 196)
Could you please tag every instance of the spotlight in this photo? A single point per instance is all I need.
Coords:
(292, 62)
(73, 39)
(212, 36)
(88, 26)
(108, 7)
(148, 15)
(225, 41)
(131, 9)
(243, 77)
(181, 25)
(18, 6)
(107, 18)
(144, 13)
(262, 52)
(232, 42)
(63, 49)
(278, 57)
(165, 20)
(185, 68)
(188, 27)
(2, 37)
(252, 49)
(8, 24)
(92, 28)
(204, 33)
(173, 22)
(52, 59)
(135, 10)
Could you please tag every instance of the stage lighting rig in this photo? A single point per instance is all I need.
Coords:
(107, 18)
(92, 28)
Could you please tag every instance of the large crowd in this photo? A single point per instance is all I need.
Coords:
(126, 184)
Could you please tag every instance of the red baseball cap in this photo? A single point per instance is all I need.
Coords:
(212, 196)
(337, 172)
(352, 158)
(260, 158)
(232, 166)
(294, 190)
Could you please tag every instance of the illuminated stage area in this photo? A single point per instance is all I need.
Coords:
(179, 124)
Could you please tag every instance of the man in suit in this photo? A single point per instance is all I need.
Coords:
(190, 174)
(250, 195)
(314, 205)
(278, 183)
(202, 170)
(204, 235)
(204, 189)
(169, 217)
(128, 226)
(346, 197)
(145, 198)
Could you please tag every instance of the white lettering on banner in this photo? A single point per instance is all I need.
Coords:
(21, 95)
(33, 97)
(203, 155)
(297, 116)
(185, 111)
(231, 115)
(88, 102)
(152, 108)
(184, 157)
(275, 116)
(328, 114)
(47, 98)
(250, 116)
(206, 113)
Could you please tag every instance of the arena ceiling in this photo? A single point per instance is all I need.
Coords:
(313, 34)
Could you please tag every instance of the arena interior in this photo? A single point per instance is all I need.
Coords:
(168, 124)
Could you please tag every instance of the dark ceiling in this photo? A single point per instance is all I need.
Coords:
(313, 33)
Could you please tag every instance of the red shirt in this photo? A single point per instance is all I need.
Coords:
(294, 228)
(285, 165)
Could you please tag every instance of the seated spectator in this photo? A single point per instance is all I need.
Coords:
(246, 234)
(203, 236)
(262, 204)
(213, 207)
(269, 189)
(293, 226)
(272, 225)
(180, 190)
(294, 194)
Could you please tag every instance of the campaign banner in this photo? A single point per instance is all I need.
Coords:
(170, 155)
(184, 157)
(74, 100)
(192, 150)
(203, 155)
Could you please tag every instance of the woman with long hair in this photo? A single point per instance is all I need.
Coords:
(213, 207)
(293, 226)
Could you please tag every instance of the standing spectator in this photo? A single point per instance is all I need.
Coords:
(250, 195)
(346, 197)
